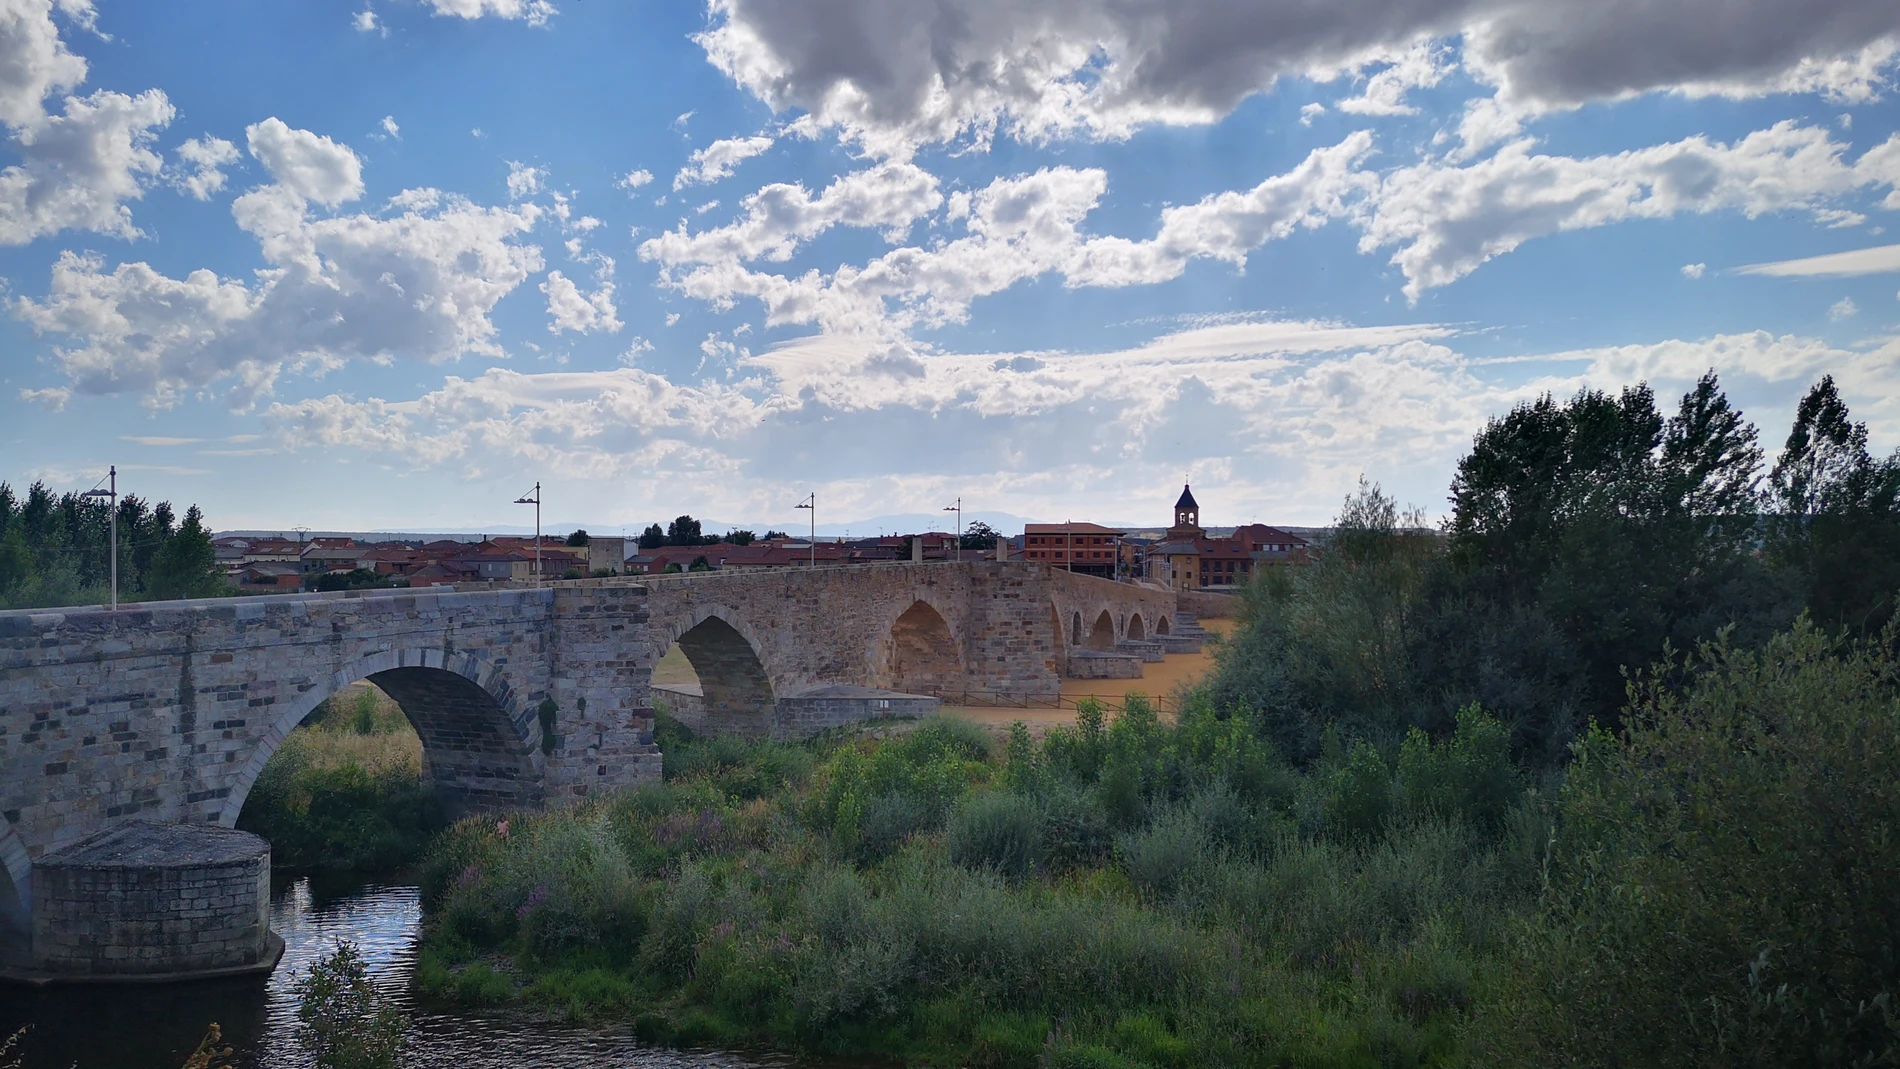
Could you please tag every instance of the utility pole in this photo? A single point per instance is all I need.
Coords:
(533, 497)
(112, 497)
(958, 509)
(811, 503)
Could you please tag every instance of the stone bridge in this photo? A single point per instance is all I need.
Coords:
(169, 711)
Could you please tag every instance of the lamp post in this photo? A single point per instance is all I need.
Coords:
(811, 503)
(112, 496)
(958, 509)
(533, 497)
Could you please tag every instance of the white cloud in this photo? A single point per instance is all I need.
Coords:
(525, 181)
(1017, 228)
(1422, 66)
(672, 318)
(718, 159)
(1877, 260)
(53, 397)
(307, 164)
(390, 128)
(1309, 112)
(634, 180)
(1103, 67)
(1228, 226)
(365, 21)
(206, 157)
(1838, 218)
(535, 12)
(78, 166)
(889, 197)
(1694, 270)
(419, 285)
(1845, 308)
(584, 313)
(631, 357)
(1447, 220)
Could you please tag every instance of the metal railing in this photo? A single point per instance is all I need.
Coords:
(991, 699)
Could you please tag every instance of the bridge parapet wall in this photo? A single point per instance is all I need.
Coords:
(169, 711)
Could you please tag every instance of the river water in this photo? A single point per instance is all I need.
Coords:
(156, 1026)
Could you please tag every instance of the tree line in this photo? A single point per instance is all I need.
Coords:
(1588, 538)
(55, 549)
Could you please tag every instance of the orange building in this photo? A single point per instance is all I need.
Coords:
(1088, 548)
(1187, 559)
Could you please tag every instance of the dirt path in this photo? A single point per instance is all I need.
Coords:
(1157, 681)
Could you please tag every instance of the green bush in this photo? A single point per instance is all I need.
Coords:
(1725, 878)
(996, 830)
(1359, 793)
(1469, 776)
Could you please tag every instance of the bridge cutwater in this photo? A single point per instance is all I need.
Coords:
(167, 712)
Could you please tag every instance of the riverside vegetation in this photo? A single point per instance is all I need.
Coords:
(1606, 772)
(345, 790)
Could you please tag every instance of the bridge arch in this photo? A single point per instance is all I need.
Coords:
(735, 687)
(1075, 631)
(1102, 633)
(924, 654)
(16, 886)
(476, 754)
(1162, 627)
(1136, 632)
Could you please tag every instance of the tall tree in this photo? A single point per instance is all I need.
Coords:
(1836, 514)
(187, 565)
(684, 531)
(653, 537)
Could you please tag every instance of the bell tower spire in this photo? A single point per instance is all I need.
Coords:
(1187, 514)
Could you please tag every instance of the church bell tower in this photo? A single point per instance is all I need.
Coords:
(1187, 516)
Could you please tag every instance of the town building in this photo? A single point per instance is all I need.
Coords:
(1088, 548)
(1187, 559)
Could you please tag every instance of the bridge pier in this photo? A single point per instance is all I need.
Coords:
(146, 901)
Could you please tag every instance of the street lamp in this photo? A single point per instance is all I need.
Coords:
(958, 509)
(533, 497)
(812, 504)
(112, 495)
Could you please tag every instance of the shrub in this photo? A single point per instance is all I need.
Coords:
(341, 1020)
(1469, 776)
(1359, 793)
(1724, 885)
(1158, 858)
(997, 830)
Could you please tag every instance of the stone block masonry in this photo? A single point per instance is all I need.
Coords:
(145, 897)
(169, 711)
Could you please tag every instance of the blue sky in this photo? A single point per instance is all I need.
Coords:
(385, 265)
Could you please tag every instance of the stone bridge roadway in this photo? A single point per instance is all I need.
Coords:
(169, 710)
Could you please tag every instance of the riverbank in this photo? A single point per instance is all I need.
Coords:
(345, 791)
(1122, 894)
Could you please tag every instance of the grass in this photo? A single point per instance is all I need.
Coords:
(346, 790)
(1126, 894)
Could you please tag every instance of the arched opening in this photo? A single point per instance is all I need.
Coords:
(1102, 635)
(1136, 632)
(16, 922)
(711, 679)
(366, 776)
(924, 657)
(1075, 632)
(1161, 624)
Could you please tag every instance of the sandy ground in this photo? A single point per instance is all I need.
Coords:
(1157, 681)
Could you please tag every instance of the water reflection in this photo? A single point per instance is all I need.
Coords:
(134, 1026)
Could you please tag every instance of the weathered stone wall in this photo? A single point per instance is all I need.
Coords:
(172, 899)
(170, 710)
(1207, 605)
(1083, 598)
